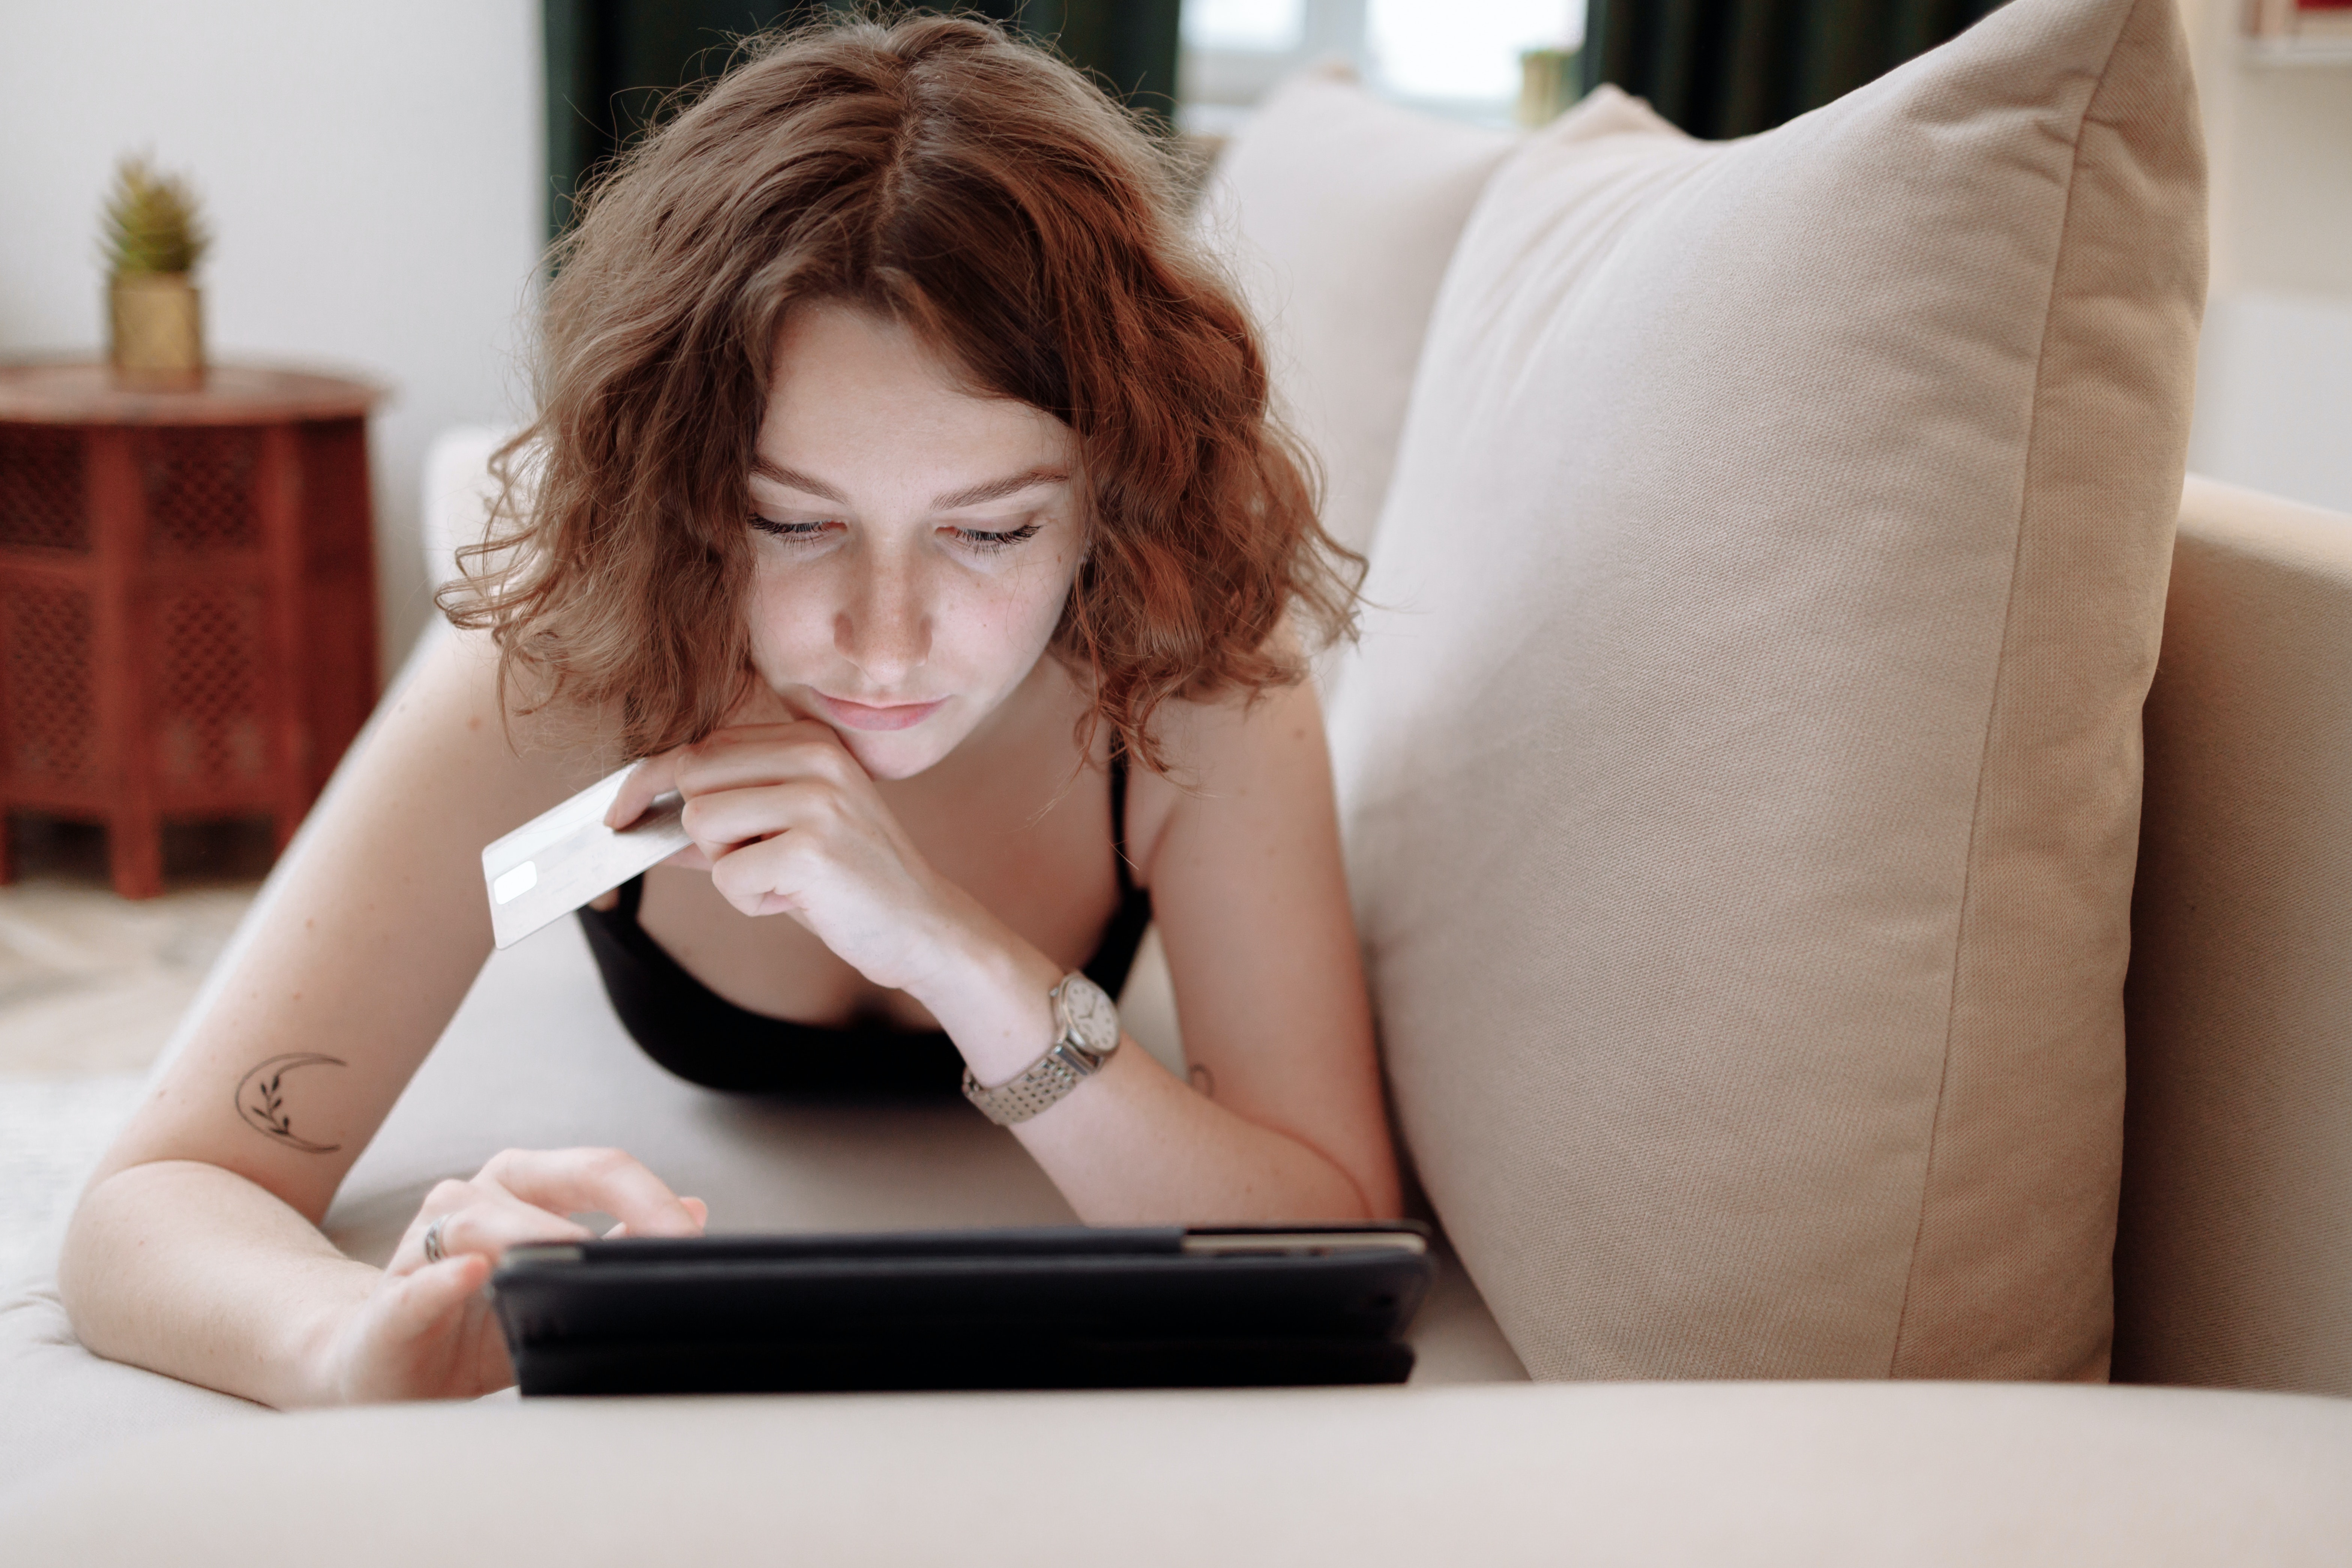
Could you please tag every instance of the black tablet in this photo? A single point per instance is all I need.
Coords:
(1069, 1307)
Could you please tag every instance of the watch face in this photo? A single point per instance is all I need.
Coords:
(1089, 1014)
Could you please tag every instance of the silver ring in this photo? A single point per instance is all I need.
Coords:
(433, 1253)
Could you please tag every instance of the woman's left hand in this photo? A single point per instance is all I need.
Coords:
(787, 821)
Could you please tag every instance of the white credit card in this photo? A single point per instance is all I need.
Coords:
(554, 863)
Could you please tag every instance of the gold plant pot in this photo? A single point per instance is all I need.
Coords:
(157, 337)
(1547, 85)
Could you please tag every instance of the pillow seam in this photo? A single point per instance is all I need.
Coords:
(1992, 706)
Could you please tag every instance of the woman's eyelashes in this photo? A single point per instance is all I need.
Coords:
(792, 533)
(1004, 539)
(984, 540)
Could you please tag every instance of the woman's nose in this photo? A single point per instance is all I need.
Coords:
(885, 628)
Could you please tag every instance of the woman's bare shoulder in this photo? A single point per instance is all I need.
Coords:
(1227, 751)
(453, 703)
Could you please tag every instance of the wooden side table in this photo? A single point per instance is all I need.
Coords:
(187, 599)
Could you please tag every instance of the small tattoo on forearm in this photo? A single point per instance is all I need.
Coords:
(261, 1099)
(1203, 1080)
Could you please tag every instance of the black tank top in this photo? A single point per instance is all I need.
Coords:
(704, 1038)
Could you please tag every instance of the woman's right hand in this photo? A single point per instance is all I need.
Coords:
(425, 1331)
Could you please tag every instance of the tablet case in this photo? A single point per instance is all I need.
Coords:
(1072, 1307)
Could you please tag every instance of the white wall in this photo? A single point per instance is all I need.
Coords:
(373, 174)
(2274, 377)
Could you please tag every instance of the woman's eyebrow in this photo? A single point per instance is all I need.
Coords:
(797, 480)
(997, 489)
(993, 489)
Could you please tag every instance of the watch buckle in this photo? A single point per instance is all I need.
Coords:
(1076, 1058)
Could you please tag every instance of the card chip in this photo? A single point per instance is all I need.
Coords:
(516, 883)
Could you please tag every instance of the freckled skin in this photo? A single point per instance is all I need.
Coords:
(936, 863)
(885, 604)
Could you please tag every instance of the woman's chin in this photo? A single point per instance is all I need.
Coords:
(895, 755)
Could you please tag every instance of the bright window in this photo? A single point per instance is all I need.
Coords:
(1469, 53)
(1269, 26)
(1456, 57)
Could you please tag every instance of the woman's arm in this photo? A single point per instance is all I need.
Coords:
(1252, 903)
(195, 1250)
(1285, 1119)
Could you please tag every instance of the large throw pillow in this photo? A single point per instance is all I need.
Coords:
(1741, 778)
(1337, 213)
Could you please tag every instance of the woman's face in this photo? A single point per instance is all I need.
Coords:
(914, 543)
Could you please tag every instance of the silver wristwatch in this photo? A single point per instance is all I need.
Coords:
(1087, 1031)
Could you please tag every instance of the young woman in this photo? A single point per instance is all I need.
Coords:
(904, 494)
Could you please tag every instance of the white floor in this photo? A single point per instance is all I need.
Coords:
(91, 987)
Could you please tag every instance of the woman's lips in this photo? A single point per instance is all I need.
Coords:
(866, 716)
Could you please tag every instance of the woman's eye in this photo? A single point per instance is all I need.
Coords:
(791, 532)
(981, 540)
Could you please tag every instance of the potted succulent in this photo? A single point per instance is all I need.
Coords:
(1547, 85)
(152, 242)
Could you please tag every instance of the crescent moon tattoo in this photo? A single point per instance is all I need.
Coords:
(262, 1105)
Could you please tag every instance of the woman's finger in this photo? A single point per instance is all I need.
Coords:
(755, 754)
(759, 878)
(408, 1256)
(730, 759)
(488, 1228)
(737, 816)
(417, 1304)
(695, 1206)
(571, 1181)
(656, 775)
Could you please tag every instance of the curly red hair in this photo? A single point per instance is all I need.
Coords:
(955, 179)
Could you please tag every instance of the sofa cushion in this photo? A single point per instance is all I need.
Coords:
(1741, 778)
(1825, 1475)
(1337, 213)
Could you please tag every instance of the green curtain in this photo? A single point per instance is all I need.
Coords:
(610, 63)
(1729, 67)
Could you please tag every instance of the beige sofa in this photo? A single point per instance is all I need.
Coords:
(2227, 1439)
(2236, 1275)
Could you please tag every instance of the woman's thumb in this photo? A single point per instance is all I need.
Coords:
(423, 1299)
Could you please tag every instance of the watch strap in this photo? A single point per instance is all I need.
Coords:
(1067, 1064)
(1049, 1077)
